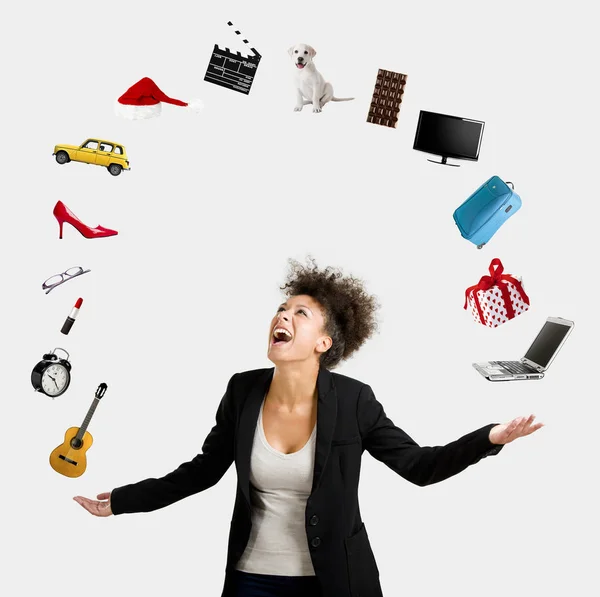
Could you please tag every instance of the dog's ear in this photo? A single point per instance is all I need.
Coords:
(291, 50)
(311, 51)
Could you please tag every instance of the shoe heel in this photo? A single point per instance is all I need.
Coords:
(60, 227)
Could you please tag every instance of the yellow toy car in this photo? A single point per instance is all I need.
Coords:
(95, 151)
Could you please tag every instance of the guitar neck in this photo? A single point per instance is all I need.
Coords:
(87, 419)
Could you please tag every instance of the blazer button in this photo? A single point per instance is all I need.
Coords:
(316, 542)
(314, 520)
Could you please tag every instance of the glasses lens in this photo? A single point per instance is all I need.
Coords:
(52, 281)
(74, 271)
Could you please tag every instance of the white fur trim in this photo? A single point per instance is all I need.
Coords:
(196, 105)
(137, 112)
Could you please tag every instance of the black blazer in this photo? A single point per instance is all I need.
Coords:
(349, 421)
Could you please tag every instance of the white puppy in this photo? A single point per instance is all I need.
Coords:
(311, 88)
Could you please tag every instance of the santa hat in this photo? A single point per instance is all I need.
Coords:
(143, 100)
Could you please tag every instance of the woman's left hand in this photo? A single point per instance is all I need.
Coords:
(519, 427)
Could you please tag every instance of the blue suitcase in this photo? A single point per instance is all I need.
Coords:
(480, 216)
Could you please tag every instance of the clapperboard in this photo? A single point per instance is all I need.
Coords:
(231, 69)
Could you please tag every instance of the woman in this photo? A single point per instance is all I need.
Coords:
(297, 433)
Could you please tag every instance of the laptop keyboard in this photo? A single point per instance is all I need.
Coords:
(514, 366)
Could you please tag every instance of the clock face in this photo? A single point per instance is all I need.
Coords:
(55, 380)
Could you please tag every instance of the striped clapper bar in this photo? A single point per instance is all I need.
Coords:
(231, 69)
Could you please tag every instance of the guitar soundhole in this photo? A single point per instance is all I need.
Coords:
(76, 443)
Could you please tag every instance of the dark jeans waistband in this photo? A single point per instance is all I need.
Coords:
(249, 584)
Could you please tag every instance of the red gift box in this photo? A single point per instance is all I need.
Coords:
(497, 298)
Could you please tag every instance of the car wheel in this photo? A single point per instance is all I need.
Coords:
(62, 157)
(115, 169)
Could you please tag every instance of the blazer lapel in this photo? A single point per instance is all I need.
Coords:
(326, 418)
(247, 427)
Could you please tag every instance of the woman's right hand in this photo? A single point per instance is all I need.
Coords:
(97, 508)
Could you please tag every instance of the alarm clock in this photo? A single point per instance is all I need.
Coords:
(52, 375)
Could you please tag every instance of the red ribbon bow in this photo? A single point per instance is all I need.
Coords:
(496, 278)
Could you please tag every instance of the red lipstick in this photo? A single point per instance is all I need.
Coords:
(66, 328)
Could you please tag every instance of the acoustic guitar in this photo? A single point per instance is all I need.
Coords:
(69, 458)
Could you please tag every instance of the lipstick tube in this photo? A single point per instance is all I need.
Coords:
(66, 328)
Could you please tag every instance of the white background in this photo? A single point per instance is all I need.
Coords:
(211, 210)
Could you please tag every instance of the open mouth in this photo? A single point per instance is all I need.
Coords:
(300, 64)
(280, 337)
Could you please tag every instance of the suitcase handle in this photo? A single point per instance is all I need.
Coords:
(512, 186)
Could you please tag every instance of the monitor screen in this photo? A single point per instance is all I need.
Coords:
(547, 343)
(448, 136)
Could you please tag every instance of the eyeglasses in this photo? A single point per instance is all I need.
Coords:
(58, 279)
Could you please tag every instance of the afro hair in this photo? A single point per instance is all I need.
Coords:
(348, 310)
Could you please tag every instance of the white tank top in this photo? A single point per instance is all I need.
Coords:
(280, 484)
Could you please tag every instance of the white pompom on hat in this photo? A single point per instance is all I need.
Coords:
(144, 100)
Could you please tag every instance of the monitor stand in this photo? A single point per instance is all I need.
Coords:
(444, 162)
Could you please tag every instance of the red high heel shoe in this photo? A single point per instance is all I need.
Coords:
(63, 214)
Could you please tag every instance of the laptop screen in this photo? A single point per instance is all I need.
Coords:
(546, 343)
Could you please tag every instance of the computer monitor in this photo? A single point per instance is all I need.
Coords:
(448, 136)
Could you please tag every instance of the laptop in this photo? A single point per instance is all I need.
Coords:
(538, 357)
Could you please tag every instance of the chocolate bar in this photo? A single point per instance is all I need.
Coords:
(387, 97)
